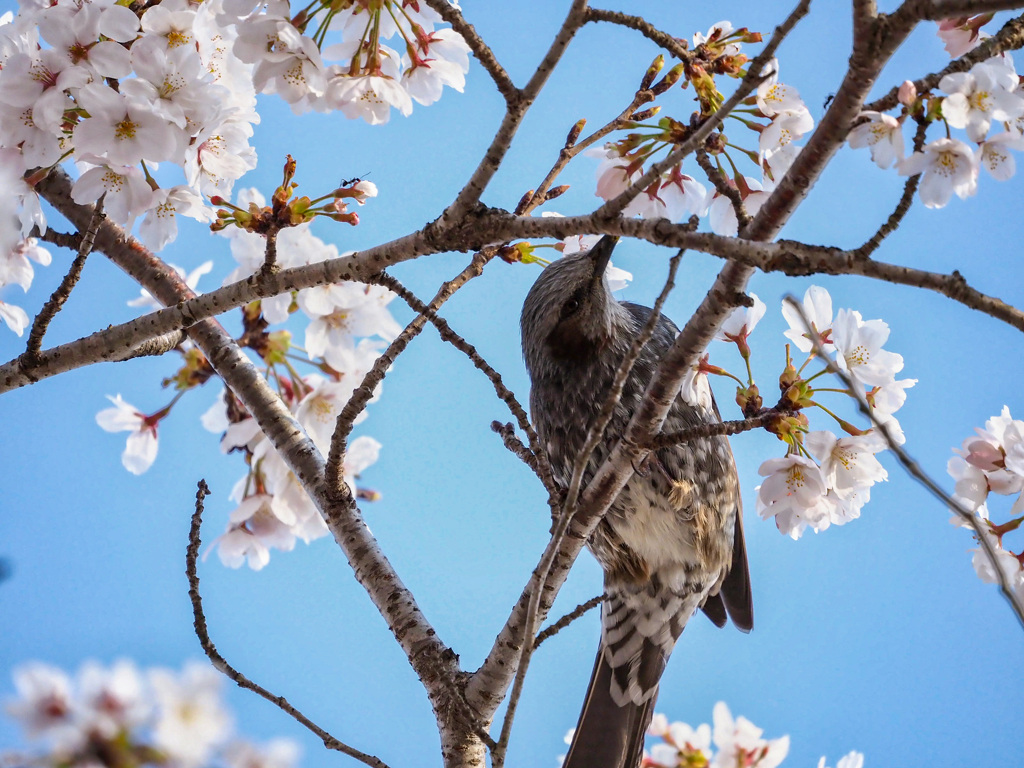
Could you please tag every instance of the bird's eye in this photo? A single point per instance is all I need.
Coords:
(572, 305)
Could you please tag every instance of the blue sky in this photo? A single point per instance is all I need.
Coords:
(876, 636)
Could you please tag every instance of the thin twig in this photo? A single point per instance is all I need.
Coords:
(362, 394)
(714, 429)
(553, 629)
(70, 240)
(218, 661)
(270, 265)
(58, 297)
(902, 207)
(507, 432)
(673, 45)
(506, 395)
(724, 188)
(913, 468)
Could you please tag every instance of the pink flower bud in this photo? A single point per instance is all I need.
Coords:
(907, 93)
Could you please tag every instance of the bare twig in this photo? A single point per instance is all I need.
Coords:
(673, 45)
(724, 428)
(218, 661)
(553, 629)
(63, 292)
(515, 445)
(913, 468)
(270, 265)
(506, 395)
(364, 392)
(902, 207)
(724, 188)
(70, 240)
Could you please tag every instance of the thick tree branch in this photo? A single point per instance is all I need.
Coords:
(222, 665)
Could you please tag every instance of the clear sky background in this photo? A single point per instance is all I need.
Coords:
(876, 636)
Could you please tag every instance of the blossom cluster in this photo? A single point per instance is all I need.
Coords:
(986, 102)
(120, 90)
(824, 479)
(347, 326)
(727, 743)
(119, 715)
(992, 462)
(674, 194)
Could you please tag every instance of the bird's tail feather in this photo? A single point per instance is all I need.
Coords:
(607, 735)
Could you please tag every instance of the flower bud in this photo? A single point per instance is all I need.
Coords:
(652, 72)
(574, 132)
(669, 80)
(523, 202)
(907, 93)
(788, 377)
(556, 192)
(647, 114)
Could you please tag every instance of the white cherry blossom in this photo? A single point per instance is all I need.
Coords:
(817, 307)
(978, 97)
(994, 154)
(859, 344)
(949, 166)
(191, 719)
(848, 463)
(795, 493)
(740, 742)
(126, 194)
(140, 451)
(882, 134)
(14, 317)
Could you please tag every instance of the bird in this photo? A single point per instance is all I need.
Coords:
(672, 540)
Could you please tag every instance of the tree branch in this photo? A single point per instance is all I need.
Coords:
(673, 45)
(221, 664)
(565, 621)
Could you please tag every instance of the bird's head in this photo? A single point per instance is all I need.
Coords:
(570, 314)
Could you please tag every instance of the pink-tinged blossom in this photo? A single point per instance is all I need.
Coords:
(949, 166)
(14, 317)
(971, 486)
(979, 97)
(15, 267)
(140, 451)
(883, 135)
(907, 93)
(614, 175)
(795, 493)
(41, 81)
(718, 30)
(239, 546)
(191, 719)
(127, 194)
(74, 32)
(683, 745)
(817, 306)
(1006, 563)
(445, 62)
(859, 344)
(682, 195)
(741, 321)
(740, 742)
(959, 36)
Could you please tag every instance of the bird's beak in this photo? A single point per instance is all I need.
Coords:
(601, 254)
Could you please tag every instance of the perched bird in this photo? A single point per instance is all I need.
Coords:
(672, 541)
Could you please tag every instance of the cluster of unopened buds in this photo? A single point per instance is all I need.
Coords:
(674, 194)
(119, 716)
(986, 102)
(824, 479)
(992, 462)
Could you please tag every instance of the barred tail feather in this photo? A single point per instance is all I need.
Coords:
(608, 735)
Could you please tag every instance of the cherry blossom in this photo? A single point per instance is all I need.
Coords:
(739, 742)
(849, 760)
(160, 225)
(140, 451)
(277, 753)
(113, 700)
(126, 194)
(949, 166)
(994, 154)
(978, 97)
(741, 322)
(14, 317)
(817, 306)
(958, 36)
(191, 719)
(848, 464)
(883, 135)
(45, 706)
(859, 346)
(722, 215)
(794, 492)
